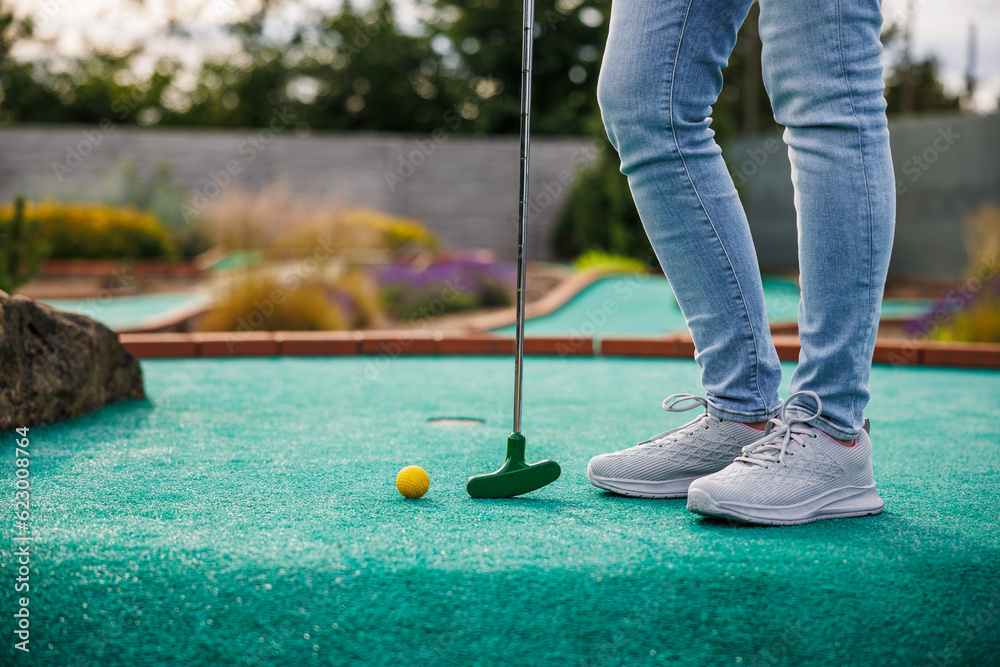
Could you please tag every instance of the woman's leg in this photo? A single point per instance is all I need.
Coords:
(661, 74)
(822, 72)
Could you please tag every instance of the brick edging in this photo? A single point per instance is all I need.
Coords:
(888, 352)
(348, 343)
(397, 343)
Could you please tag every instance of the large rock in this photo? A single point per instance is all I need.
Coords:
(56, 365)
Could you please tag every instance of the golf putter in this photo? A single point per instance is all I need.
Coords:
(516, 476)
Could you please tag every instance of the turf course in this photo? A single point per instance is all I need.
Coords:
(247, 515)
(632, 304)
(125, 312)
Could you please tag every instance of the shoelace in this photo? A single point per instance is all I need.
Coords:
(786, 430)
(681, 403)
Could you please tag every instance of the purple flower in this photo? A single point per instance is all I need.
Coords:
(462, 274)
(960, 298)
(456, 283)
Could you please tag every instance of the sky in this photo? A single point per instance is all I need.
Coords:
(940, 28)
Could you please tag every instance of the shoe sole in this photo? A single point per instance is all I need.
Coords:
(675, 488)
(842, 503)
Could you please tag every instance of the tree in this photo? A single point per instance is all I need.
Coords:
(917, 87)
(483, 42)
(16, 78)
(743, 106)
(351, 71)
(600, 213)
(912, 87)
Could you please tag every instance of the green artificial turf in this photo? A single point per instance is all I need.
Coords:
(644, 305)
(246, 515)
(126, 312)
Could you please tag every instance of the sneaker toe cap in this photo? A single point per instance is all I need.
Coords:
(635, 467)
(722, 485)
(603, 465)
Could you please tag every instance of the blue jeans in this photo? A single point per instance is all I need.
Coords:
(661, 74)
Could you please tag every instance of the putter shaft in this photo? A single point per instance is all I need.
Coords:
(516, 477)
(522, 209)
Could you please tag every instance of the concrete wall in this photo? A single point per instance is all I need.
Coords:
(945, 166)
(465, 189)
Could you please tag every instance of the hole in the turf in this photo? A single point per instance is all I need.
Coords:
(456, 421)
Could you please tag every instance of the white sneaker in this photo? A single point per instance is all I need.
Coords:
(794, 474)
(664, 465)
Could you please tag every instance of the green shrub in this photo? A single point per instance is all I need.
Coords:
(21, 248)
(970, 313)
(80, 230)
(122, 185)
(158, 195)
(605, 262)
(977, 323)
(413, 304)
(398, 234)
(600, 215)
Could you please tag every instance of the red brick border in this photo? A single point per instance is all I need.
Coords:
(160, 346)
(887, 352)
(396, 343)
(236, 344)
(475, 344)
(898, 353)
(787, 347)
(638, 347)
(317, 344)
(961, 355)
(559, 346)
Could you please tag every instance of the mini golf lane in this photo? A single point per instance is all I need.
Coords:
(632, 304)
(128, 312)
(247, 515)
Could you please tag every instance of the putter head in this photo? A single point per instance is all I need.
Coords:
(515, 477)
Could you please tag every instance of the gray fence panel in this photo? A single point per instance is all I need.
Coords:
(463, 188)
(945, 167)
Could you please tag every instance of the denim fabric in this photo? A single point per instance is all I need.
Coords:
(661, 74)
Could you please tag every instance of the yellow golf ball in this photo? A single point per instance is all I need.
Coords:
(412, 481)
